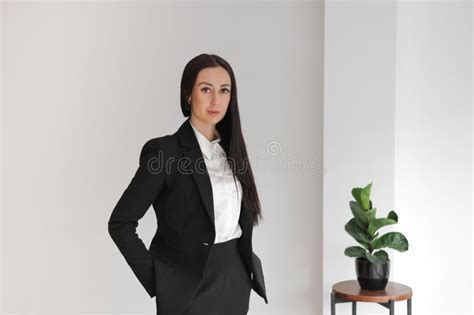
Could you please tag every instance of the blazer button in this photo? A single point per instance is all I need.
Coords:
(205, 243)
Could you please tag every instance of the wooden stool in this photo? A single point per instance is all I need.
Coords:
(350, 291)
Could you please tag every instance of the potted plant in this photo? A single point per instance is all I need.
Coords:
(372, 262)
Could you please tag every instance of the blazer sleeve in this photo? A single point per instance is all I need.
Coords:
(144, 187)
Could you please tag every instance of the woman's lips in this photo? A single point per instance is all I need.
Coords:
(213, 113)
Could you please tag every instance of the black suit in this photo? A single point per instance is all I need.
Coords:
(173, 178)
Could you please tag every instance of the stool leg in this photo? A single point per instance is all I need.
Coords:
(392, 307)
(354, 308)
(333, 304)
(409, 306)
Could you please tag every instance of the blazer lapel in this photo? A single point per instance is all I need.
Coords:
(193, 154)
(197, 166)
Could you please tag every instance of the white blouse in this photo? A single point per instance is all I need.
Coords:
(227, 192)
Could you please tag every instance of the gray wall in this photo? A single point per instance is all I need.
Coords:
(86, 84)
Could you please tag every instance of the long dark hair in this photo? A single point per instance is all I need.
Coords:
(229, 128)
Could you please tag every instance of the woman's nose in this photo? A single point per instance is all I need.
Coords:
(216, 98)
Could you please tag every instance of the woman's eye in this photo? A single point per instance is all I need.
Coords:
(226, 91)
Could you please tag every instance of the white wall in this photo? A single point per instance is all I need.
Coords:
(83, 82)
(433, 154)
(86, 84)
(1, 153)
(398, 76)
(359, 100)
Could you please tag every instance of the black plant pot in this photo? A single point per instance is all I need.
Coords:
(372, 276)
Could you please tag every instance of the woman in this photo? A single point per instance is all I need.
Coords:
(201, 186)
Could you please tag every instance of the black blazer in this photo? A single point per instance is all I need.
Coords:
(173, 178)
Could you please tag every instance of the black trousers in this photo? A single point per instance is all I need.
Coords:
(226, 286)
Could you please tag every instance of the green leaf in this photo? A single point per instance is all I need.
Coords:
(355, 251)
(370, 213)
(392, 215)
(395, 240)
(359, 234)
(359, 215)
(365, 196)
(379, 257)
(381, 254)
(376, 224)
(356, 194)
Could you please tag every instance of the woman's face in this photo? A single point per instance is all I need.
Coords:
(210, 96)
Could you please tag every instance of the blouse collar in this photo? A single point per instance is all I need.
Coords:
(207, 147)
